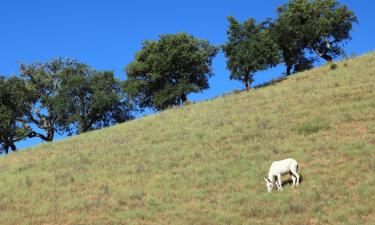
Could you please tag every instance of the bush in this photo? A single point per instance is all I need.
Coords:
(333, 66)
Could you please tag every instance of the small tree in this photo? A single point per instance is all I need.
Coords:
(15, 104)
(164, 72)
(250, 48)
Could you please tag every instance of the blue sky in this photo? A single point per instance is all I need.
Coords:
(106, 34)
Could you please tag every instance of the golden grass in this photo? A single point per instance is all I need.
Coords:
(205, 163)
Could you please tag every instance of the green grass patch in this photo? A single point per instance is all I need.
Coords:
(313, 126)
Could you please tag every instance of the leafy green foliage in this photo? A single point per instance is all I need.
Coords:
(15, 103)
(72, 97)
(165, 71)
(43, 80)
(291, 47)
(93, 100)
(330, 25)
(322, 26)
(250, 48)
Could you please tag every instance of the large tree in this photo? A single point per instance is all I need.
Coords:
(15, 104)
(289, 42)
(43, 80)
(250, 48)
(165, 71)
(73, 98)
(322, 26)
(331, 26)
(94, 100)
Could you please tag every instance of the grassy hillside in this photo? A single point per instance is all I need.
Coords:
(205, 163)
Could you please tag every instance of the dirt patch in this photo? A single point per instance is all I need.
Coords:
(359, 127)
(351, 131)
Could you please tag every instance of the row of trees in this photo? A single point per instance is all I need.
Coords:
(61, 96)
(65, 96)
(303, 31)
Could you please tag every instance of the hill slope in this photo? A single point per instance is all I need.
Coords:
(205, 163)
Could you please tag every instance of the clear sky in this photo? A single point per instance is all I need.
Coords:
(106, 34)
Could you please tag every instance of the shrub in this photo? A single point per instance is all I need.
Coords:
(333, 66)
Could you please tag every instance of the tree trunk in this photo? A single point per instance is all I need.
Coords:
(13, 147)
(6, 148)
(183, 99)
(42, 124)
(82, 128)
(288, 70)
(247, 85)
(327, 57)
(47, 138)
(247, 81)
(86, 128)
(50, 135)
(85, 125)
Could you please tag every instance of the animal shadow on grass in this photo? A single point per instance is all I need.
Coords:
(290, 181)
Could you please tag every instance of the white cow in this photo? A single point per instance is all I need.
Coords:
(279, 168)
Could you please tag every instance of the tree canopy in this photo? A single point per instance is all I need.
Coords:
(321, 26)
(250, 48)
(330, 25)
(72, 97)
(43, 80)
(15, 104)
(165, 71)
(292, 49)
(93, 99)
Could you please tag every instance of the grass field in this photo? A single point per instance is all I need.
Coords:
(204, 164)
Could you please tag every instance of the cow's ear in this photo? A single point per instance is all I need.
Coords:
(267, 180)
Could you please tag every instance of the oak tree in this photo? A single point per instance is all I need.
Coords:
(165, 71)
(250, 48)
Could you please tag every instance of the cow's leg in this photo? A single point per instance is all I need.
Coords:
(294, 179)
(279, 181)
(296, 175)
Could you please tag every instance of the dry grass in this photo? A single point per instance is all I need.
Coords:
(204, 164)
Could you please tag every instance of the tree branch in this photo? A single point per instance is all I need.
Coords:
(35, 134)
